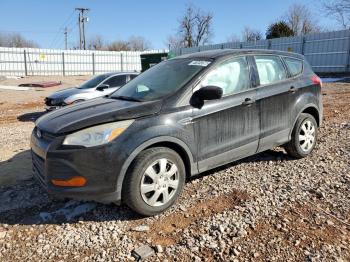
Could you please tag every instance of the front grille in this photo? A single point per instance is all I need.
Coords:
(38, 168)
(53, 102)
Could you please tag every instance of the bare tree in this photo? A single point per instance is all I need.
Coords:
(195, 28)
(134, 43)
(233, 38)
(300, 20)
(203, 31)
(138, 43)
(96, 42)
(339, 10)
(3, 40)
(251, 35)
(174, 42)
(118, 45)
(15, 40)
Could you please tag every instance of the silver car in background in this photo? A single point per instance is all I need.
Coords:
(98, 86)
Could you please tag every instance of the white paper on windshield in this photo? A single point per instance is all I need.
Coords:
(200, 63)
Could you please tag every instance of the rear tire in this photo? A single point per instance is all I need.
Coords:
(304, 137)
(154, 181)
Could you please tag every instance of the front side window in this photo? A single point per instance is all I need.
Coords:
(93, 82)
(270, 69)
(116, 81)
(295, 66)
(232, 76)
(160, 80)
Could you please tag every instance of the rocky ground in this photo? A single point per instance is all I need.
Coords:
(265, 207)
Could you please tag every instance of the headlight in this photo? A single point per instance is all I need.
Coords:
(68, 101)
(97, 135)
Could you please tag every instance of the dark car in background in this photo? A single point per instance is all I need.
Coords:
(179, 118)
(97, 86)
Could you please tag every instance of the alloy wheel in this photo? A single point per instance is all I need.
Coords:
(159, 182)
(307, 135)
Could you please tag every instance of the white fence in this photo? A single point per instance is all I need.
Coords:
(326, 52)
(33, 61)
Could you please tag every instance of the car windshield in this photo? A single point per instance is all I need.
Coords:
(161, 80)
(93, 82)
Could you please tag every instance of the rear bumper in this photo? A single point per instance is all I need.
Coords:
(98, 165)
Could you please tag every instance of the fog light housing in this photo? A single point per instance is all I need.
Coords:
(75, 181)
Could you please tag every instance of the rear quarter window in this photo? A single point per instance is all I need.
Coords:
(295, 66)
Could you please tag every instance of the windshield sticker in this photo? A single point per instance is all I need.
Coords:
(199, 63)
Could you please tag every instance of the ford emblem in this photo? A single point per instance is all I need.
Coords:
(38, 133)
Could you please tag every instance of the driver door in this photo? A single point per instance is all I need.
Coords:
(227, 129)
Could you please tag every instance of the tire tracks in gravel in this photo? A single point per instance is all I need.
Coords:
(168, 230)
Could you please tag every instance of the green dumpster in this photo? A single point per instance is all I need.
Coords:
(149, 60)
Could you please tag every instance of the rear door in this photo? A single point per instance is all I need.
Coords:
(275, 93)
(228, 128)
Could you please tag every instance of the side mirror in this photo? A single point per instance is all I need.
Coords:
(209, 93)
(102, 87)
(205, 93)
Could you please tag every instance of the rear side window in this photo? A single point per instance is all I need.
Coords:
(116, 81)
(232, 76)
(132, 77)
(295, 66)
(270, 69)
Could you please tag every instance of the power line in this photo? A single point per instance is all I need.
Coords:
(58, 34)
(72, 32)
(61, 43)
(69, 19)
(66, 30)
(28, 31)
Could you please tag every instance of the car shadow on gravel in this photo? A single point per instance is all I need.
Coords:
(25, 202)
(276, 154)
(31, 117)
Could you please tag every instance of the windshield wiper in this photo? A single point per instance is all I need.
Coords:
(126, 98)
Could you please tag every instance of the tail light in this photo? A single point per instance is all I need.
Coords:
(316, 80)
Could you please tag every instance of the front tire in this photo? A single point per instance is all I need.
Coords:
(154, 181)
(304, 137)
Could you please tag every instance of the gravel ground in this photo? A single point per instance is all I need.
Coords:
(265, 207)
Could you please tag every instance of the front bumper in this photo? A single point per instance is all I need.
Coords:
(99, 165)
(52, 104)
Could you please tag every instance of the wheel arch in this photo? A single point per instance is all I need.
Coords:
(179, 150)
(312, 110)
(309, 109)
(173, 143)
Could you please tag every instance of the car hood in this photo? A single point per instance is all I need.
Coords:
(93, 112)
(62, 94)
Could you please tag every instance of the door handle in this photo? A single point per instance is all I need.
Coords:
(248, 101)
(292, 89)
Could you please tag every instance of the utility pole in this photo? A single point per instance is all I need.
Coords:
(65, 38)
(82, 20)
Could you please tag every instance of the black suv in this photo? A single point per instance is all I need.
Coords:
(181, 117)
